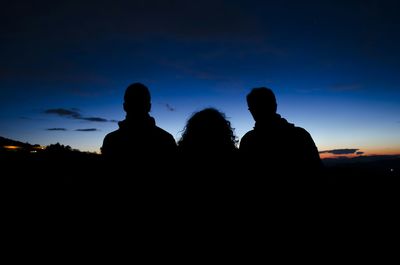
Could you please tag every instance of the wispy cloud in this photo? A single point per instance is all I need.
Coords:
(95, 119)
(74, 114)
(346, 87)
(169, 107)
(24, 118)
(345, 151)
(77, 130)
(87, 130)
(70, 113)
(359, 153)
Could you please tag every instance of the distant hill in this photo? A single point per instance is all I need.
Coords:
(364, 166)
(360, 160)
(10, 142)
(20, 155)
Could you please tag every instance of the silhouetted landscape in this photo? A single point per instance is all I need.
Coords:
(342, 169)
(57, 179)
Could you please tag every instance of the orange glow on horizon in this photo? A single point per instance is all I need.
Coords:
(367, 153)
(39, 147)
(11, 147)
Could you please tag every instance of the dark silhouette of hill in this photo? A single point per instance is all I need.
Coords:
(362, 184)
(15, 152)
(358, 159)
(54, 168)
(10, 142)
(364, 166)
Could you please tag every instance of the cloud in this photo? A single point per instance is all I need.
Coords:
(95, 119)
(87, 130)
(169, 107)
(71, 113)
(359, 153)
(77, 130)
(340, 151)
(24, 118)
(346, 87)
(57, 129)
(74, 114)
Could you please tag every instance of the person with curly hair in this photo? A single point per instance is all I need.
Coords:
(207, 157)
(208, 133)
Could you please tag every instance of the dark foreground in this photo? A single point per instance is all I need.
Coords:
(82, 202)
(74, 178)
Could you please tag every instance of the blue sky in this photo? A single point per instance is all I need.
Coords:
(333, 65)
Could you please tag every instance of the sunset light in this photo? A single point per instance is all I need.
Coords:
(334, 68)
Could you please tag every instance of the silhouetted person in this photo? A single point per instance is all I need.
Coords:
(207, 147)
(138, 143)
(208, 132)
(275, 146)
(208, 155)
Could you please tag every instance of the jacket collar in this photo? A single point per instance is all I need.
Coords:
(135, 122)
(274, 122)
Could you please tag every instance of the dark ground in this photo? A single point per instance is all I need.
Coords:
(79, 198)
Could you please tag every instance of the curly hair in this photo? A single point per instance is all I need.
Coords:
(208, 129)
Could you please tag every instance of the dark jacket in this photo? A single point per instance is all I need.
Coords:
(278, 146)
(138, 140)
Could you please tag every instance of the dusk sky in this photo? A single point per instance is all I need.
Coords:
(334, 66)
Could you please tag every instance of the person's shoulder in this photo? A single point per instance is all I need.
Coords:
(249, 134)
(112, 135)
(246, 139)
(301, 132)
(163, 133)
(109, 142)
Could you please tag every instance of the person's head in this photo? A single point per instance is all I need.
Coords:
(261, 102)
(137, 100)
(208, 129)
